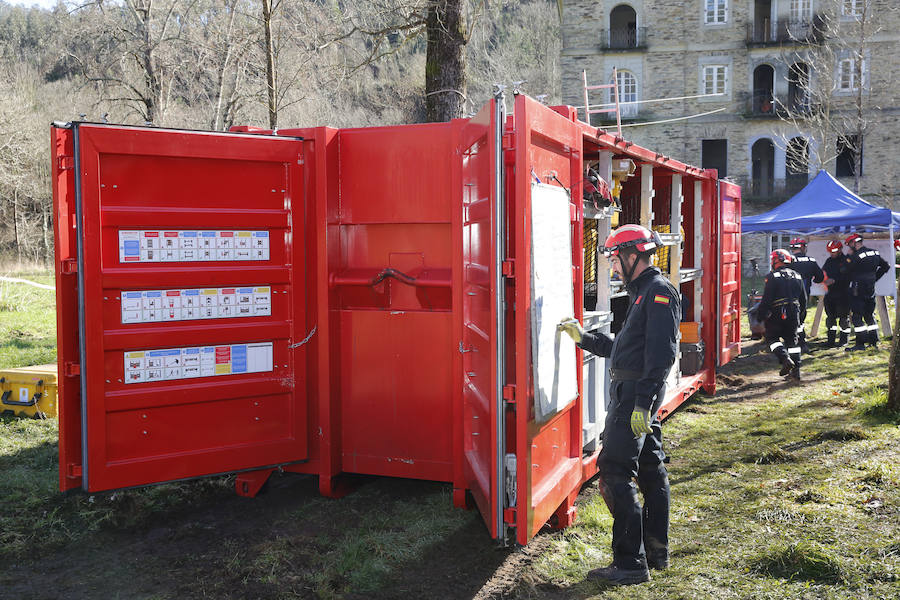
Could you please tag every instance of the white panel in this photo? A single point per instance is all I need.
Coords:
(553, 353)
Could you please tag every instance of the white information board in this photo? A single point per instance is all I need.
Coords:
(143, 366)
(192, 246)
(553, 353)
(149, 306)
(885, 247)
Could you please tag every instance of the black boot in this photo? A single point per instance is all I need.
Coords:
(842, 339)
(795, 372)
(861, 338)
(873, 337)
(616, 576)
(787, 365)
(831, 336)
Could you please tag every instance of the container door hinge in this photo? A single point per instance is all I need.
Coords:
(509, 516)
(68, 266)
(509, 268)
(72, 369)
(509, 394)
(507, 141)
(73, 471)
(65, 162)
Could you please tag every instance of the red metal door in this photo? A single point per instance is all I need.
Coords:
(482, 427)
(190, 269)
(547, 149)
(729, 272)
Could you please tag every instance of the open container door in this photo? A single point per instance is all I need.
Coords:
(481, 345)
(182, 255)
(729, 268)
(545, 261)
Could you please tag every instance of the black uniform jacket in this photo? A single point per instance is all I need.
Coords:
(783, 286)
(867, 267)
(648, 340)
(809, 270)
(838, 269)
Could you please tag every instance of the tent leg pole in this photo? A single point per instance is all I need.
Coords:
(818, 319)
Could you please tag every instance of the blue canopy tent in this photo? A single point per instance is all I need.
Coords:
(823, 206)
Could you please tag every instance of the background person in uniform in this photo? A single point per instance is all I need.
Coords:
(810, 271)
(837, 296)
(640, 358)
(783, 296)
(866, 267)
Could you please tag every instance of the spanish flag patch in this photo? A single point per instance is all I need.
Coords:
(661, 299)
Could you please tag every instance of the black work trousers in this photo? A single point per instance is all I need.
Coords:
(782, 333)
(837, 316)
(862, 304)
(638, 532)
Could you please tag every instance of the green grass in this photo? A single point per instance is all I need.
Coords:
(27, 321)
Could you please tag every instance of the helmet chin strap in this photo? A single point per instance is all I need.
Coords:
(627, 276)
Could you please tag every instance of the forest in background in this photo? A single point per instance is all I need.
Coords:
(201, 64)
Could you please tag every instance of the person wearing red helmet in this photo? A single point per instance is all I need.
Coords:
(865, 268)
(810, 272)
(640, 358)
(783, 296)
(837, 296)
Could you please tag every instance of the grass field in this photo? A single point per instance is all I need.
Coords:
(779, 490)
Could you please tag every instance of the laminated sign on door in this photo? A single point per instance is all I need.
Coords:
(192, 246)
(199, 361)
(149, 306)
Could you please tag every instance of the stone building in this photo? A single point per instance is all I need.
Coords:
(747, 67)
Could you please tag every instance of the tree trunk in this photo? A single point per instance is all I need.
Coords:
(270, 63)
(445, 61)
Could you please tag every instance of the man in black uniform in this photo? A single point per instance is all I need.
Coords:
(866, 267)
(780, 307)
(837, 298)
(810, 271)
(640, 358)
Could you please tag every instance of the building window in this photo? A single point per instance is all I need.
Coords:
(848, 147)
(801, 10)
(626, 83)
(623, 27)
(716, 11)
(714, 155)
(715, 79)
(848, 77)
(796, 165)
(851, 8)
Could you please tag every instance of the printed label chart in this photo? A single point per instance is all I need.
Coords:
(192, 246)
(149, 306)
(142, 366)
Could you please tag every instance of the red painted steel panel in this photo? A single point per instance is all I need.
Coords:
(548, 455)
(729, 287)
(62, 150)
(478, 313)
(396, 389)
(250, 413)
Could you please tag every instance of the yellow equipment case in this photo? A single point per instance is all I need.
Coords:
(29, 391)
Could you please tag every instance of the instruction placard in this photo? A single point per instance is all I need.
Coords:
(192, 246)
(150, 306)
(143, 366)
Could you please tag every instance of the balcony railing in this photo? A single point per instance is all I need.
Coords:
(760, 103)
(806, 31)
(625, 38)
(763, 104)
(768, 188)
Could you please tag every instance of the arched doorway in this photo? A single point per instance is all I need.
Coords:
(622, 27)
(763, 177)
(796, 165)
(763, 101)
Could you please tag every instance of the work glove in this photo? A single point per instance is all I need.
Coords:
(640, 422)
(572, 328)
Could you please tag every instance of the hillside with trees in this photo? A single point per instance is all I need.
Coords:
(211, 64)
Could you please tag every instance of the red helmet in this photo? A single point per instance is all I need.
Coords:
(781, 257)
(798, 242)
(853, 237)
(835, 245)
(897, 244)
(626, 236)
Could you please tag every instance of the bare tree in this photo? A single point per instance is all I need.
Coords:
(833, 99)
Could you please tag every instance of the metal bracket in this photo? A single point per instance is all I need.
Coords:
(509, 394)
(509, 268)
(64, 163)
(68, 266)
(72, 369)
